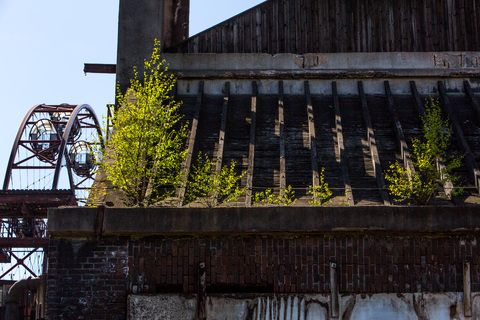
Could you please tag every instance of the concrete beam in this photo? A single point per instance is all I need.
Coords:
(325, 74)
(324, 61)
(142, 222)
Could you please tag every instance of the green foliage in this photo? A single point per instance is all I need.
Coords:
(211, 188)
(321, 193)
(427, 179)
(268, 197)
(144, 154)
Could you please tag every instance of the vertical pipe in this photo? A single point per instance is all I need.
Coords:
(334, 301)
(202, 292)
(467, 290)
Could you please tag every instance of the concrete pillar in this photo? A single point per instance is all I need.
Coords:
(139, 23)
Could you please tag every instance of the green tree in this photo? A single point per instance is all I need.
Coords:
(427, 179)
(144, 154)
(212, 188)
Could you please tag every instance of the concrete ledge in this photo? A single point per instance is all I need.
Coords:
(324, 61)
(72, 221)
(328, 74)
(141, 222)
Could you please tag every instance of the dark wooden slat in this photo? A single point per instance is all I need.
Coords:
(401, 141)
(377, 167)
(298, 26)
(473, 100)
(281, 125)
(223, 126)
(221, 135)
(417, 99)
(341, 146)
(458, 131)
(191, 145)
(312, 136)
(251, 146)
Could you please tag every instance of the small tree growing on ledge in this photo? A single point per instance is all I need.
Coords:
(286, 197)
(427, 179)
(321, 193)
(144, 154)
(212, 188)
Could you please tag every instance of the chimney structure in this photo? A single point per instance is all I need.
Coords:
(142, 21)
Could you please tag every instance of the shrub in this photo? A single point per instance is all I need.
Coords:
(423, 183)
(211, 188)
(267, 197)
(321, 193)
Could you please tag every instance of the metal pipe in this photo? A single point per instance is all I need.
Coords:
(15, 294)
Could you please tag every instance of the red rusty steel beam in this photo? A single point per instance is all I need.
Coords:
(19, 263)
(32, 167)
(100, 68)
(33, 203)
(24, 243)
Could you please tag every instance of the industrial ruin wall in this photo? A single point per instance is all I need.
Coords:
(104, 268)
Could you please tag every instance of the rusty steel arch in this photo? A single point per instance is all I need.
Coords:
(74, 117)
(42, 147)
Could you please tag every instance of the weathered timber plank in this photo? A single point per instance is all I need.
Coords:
(281, 128)
(221, 135)
(298, 26)
(312, 136)
(191, 145)
(377, 167)
(417, 99)
(341, 146)
(401, 141)
(473, 100)
(458, 131)
(251, 146)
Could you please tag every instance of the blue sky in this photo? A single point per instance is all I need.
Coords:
(43, 45)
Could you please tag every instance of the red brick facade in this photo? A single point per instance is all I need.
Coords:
(365, 264)
(91, 280)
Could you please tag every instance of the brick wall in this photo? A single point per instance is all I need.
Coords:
(91, 280)
(87, 280)
(366, 264)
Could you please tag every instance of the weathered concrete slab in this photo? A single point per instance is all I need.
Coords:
(321, 69)
(172, 221)
(443, 306)
(83, 222)
(161, 307)
(324, 61)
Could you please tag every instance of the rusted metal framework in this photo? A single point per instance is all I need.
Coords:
(52, 163)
